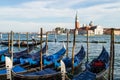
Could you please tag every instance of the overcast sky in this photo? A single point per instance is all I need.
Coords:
(30, 15)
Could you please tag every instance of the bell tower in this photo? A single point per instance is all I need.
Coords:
(77, 24)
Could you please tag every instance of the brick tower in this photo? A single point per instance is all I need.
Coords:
(77, 24)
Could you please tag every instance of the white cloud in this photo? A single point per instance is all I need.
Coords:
(56, 9)
(38, 9)
(16, 26)
(101, 12)
(34, 13)
(36, 4)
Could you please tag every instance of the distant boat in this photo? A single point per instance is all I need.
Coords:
(22, 44)
(44, 36)
(96, 68)
(63, 33)
(38, 35)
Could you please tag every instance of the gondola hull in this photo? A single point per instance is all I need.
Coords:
(21, 44)
(96, 68)
(35, 75)
(16, 55)
(49, 73)
(26, 65)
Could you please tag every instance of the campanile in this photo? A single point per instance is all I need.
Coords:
(77, 24)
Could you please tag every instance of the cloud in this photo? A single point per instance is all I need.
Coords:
(30, 13)
(34, 13)
(17, 26)
(38, 9)
(101, 12)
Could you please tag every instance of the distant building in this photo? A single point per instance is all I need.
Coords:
(98, 30)
(51, 32)
(60, 30)
(117, 31)
(83, 30)
(66, 30)
(92, 30)
(107, 31)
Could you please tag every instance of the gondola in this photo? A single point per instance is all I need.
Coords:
(22, 44)
(20, 55)
(78, 59)
(45, 74)
(96, 68)
(3, 51)
(48, 60)
(39, 75)
(26, 65)
(16, 55)
(31, 63)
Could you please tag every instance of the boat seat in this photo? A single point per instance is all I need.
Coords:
(98, 63)
(97, 66)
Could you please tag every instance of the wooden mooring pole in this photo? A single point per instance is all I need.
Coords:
(41, 32)
(27, 43)
(0, 37)
(113, 56)
(19, 41)
(112, 53)
(12, 46)
(46, 42)
(9, 59)
(73, 50)
(55, 37)
(87, 45)
(67, 44)
(9, 43)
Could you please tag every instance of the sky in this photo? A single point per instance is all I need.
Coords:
(31, 15)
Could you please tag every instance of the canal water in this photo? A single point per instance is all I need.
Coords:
(94, 47)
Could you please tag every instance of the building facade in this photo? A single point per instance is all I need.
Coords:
(92, 30)
(107, 31)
